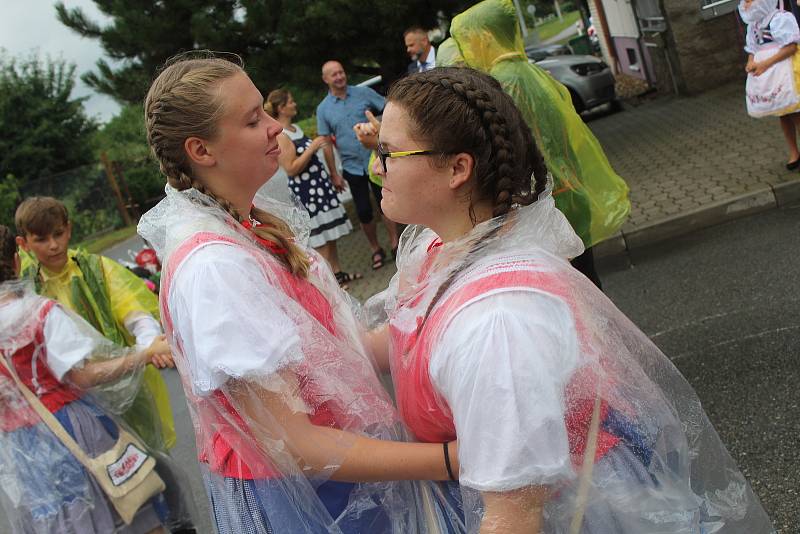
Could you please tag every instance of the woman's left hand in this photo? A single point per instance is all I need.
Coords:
(760, 67)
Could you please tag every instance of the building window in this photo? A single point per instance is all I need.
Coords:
(650, 17)
(633, 59)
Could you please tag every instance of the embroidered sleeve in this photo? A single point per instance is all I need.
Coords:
(784, 29)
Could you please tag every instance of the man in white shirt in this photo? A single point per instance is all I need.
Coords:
(420, 50)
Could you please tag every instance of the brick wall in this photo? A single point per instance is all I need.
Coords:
(708, 53)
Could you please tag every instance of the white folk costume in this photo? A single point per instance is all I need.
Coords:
(43, 487)
(770, 28)
(243, 328)
(530, 366)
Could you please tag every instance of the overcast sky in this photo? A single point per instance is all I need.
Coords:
(30, 25)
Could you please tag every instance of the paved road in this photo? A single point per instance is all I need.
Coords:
(126, 250)
(679, 155)
(723, 304)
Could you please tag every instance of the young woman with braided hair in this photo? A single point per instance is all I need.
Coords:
(287, 408)
(568, 418)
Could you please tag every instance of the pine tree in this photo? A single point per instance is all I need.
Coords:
(283, 42)
(45, 130)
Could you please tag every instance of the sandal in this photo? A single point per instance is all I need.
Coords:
(378, 259)
(343, 278)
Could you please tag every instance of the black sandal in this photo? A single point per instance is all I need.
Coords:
(378, 259)
(343, 278)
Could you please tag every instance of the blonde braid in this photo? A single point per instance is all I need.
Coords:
(276, 230)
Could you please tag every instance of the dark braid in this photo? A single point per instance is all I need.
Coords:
(476, 246)
(456, 109)
(8, 248)
(444, 104)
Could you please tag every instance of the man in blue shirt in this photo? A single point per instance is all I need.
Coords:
(339, 111)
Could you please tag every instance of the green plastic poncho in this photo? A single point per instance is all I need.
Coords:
(586, 189)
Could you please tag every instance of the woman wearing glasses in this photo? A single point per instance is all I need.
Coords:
(568, 418)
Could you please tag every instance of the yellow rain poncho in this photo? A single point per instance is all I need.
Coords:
(104, 292)
(586, 189)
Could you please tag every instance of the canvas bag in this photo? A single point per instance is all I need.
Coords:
(774, 92)
(126, 472)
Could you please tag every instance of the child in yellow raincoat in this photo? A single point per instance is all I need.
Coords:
(111, 298)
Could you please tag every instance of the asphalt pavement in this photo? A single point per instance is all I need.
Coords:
(724, 305)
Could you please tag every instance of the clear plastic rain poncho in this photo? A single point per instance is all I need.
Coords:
(106, 294)
(549, 387)
(43, 488)
(262, 354)
(592, 196)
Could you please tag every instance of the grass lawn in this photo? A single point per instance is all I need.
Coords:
(100, 243)
(554, 27)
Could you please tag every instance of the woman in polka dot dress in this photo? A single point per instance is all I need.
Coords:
(310, 182)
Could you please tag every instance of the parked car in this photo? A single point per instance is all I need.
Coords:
(540, 52)
(589, 80)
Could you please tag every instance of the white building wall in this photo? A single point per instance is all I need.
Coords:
(620, 18)
(607, 57)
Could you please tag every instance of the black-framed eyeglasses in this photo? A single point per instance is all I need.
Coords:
(383, 154)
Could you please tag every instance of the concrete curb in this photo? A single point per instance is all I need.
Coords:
(764, 198)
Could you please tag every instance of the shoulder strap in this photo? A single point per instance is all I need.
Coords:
(176, 259)
(508, 276)
(47, 417)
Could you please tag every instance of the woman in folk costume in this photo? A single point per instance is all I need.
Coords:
(59, 357)
(568, 418)
(773, 67)
(286, 404)
(585, 187)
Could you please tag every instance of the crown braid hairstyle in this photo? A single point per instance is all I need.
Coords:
(182, 103)
(458, 109)
(8, 247)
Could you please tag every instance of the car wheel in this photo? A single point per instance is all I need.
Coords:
(576, 101)
(615, 105)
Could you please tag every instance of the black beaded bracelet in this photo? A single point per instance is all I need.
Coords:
(447, 461)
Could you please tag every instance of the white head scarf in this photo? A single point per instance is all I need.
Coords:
(759, 12)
